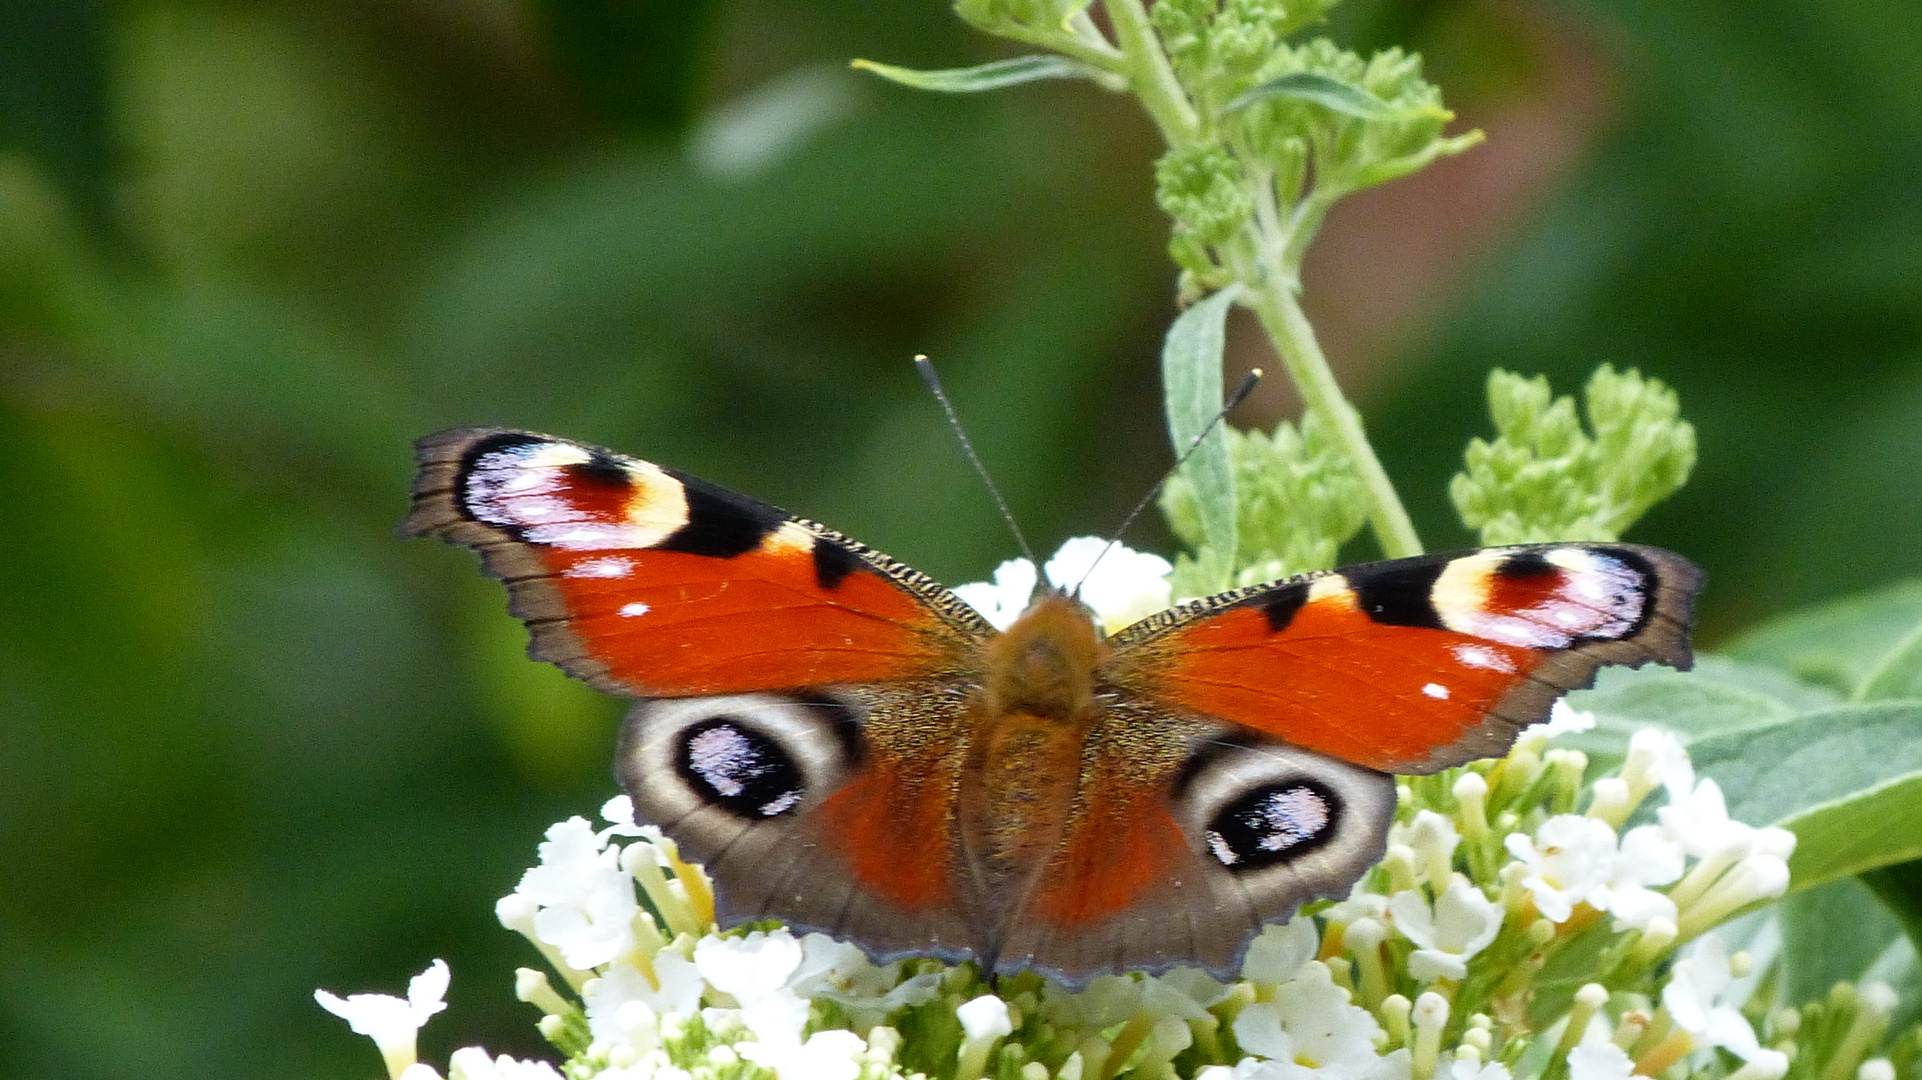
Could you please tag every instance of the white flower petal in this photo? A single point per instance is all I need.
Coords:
(827, 1055)
(1564, 720)
(986, 1017)
(1124, 586)
(1277, 953)
(1002, 601)
(1568, 858)
(473, 1063)
(1599, 1061)
(748, 968)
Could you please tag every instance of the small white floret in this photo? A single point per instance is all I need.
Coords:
(390, 1021)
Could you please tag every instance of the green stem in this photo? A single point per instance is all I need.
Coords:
(1150, 75)
(1269, 265)
(1274, 303)
(1091, 50)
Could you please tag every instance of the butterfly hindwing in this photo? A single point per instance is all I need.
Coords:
(644, 581)
(1187, 836)
(832, 810)
(1413, 665)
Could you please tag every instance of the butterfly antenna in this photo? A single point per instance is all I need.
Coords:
(1241, 393)
(926, 367)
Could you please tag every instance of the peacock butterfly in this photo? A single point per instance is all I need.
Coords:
(851, 748)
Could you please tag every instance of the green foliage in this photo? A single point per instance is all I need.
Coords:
(1845, 776)
(1263, 137)
(994, 75)
(1191, 383)
(1545, 478)
(1297, 501)
(1843, 644)
(1001, 16)
(1198, 187)
(1846, 780)
(1215, 45)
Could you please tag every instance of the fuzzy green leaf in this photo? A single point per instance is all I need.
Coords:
(1545, 478)
(1814, 956)
(1899, 887)
(1718, 696)
(997, 16)
(1898, 674)
(1847, 781)
(990, 76)
(1191, 380)
(1841, 644)
(1330, 93)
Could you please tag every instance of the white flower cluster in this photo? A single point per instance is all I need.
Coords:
(1455, 922)
(1121, 585)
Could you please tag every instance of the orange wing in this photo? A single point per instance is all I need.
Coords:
(644, 581)
(1415, 664)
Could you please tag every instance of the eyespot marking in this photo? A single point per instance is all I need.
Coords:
(1274, 823)
(734, 767)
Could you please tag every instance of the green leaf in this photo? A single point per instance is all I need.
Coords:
(1191, 379)
(1899, 672)
(1842, 644)
(1718, 696)
(1899, 887)
(1816, 957)
(1847, 781)
(1330, 93)
(990, 76)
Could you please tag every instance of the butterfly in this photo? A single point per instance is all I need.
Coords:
(851, 748)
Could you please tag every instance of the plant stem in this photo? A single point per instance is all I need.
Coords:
(1086, 46)
(1150, 75)
(1274, 304)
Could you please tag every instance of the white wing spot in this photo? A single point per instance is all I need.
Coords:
(1436, 690)
(634, 610)
(610, 566)
(1481, 656)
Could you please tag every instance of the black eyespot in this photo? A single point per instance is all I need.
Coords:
(740, 770)
(1274, 823)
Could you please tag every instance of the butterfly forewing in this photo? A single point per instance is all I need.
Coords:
(644, 581)
(1413, 665)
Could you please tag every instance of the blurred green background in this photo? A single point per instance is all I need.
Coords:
(252, 743)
